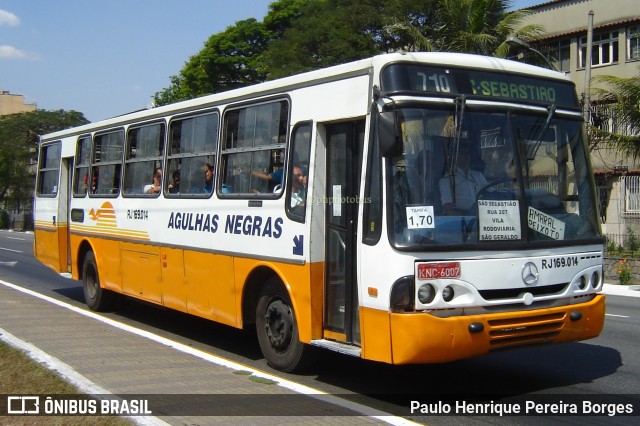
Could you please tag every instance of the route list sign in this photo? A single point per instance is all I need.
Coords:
(499, 220)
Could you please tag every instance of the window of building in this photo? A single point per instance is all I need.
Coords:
(558, 53)
(49, 172)
(107, 163)
(254, 149)
(81, 182)
(191, 156)
(630, 196)
(633, 43)
(143, 160)
(604, 49)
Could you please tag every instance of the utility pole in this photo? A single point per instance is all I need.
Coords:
(587, 70)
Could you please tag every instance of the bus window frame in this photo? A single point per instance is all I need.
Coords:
(168, 157)
(225, 152)
(79, 165)
(373, 170)
(97, 165)
(158, 161)
(292, 212)
(42, 169)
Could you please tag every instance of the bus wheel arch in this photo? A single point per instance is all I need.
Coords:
(96, 297)
(277, 328)
(251, 293)
(83, 249)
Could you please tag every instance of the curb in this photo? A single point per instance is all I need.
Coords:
(621, 290)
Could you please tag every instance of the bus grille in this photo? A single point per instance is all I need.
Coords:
(535, 329)
(512, 293)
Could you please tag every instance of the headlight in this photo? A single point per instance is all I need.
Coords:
(426, 293)
(448, 293)
(402, 296)
(595, 279)
(582, 282)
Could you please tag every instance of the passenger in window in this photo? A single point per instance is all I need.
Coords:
(275, 177)
(84, 185)
(208, 178)
(174, 186)
(94, 182)
(298, 187)
(156, 186)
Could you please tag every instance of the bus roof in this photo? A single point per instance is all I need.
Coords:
(359, 67)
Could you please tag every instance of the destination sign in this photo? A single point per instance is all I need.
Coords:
(487, 84)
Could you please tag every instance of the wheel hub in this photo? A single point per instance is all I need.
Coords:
(278, 325)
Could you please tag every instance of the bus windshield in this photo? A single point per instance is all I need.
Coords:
(475, 177)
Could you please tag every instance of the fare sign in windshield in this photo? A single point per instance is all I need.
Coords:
(438, 270)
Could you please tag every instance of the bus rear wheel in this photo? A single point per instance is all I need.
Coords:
(96, 297)
(277, 330)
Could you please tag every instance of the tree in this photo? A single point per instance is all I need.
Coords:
(19, 135)
(232, 58)
(469, 26)
(327, 32)
(331, 32)
(621, 102)
(229, 60)
(295, 36)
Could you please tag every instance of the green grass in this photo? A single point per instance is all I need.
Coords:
(20, 375)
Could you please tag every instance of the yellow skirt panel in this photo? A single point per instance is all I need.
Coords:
(417, 338)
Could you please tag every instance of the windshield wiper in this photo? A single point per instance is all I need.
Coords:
(460, 104)
(538, 140)
(452, 154)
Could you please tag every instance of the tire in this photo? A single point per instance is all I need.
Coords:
(96, 298)
(277, 330)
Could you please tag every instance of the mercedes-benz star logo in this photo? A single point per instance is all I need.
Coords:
(530, 273)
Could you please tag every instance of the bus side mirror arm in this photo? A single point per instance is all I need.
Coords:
(389, 134)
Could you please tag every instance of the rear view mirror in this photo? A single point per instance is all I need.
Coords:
(389, 134)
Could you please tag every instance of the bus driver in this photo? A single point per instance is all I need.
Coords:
(458, 192)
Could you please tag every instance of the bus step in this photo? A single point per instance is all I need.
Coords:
(342, 348)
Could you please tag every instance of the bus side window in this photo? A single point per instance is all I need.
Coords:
(82, 165)
(254, 149)
(193, 142)
(107, 163)
(144, 152)
(297, 181)
(49, 172)
(372, 214)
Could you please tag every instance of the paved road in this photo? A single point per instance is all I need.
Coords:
(149, 351)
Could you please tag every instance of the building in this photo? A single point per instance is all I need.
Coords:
(19, 216)
(615, 51)
(11, 103)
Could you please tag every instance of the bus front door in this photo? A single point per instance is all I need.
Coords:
(344, 154)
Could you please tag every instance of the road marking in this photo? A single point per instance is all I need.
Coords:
(14, 238)
(6, 249)
(10, 263)
(617, 316)
(293, 386)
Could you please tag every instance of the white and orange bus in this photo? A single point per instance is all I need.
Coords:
(406, 208)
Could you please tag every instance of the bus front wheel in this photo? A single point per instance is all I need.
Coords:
(96, 298)
(277, 330)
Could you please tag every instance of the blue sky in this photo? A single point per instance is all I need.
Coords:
(108, 57)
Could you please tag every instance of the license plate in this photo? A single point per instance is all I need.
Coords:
(438, 270)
